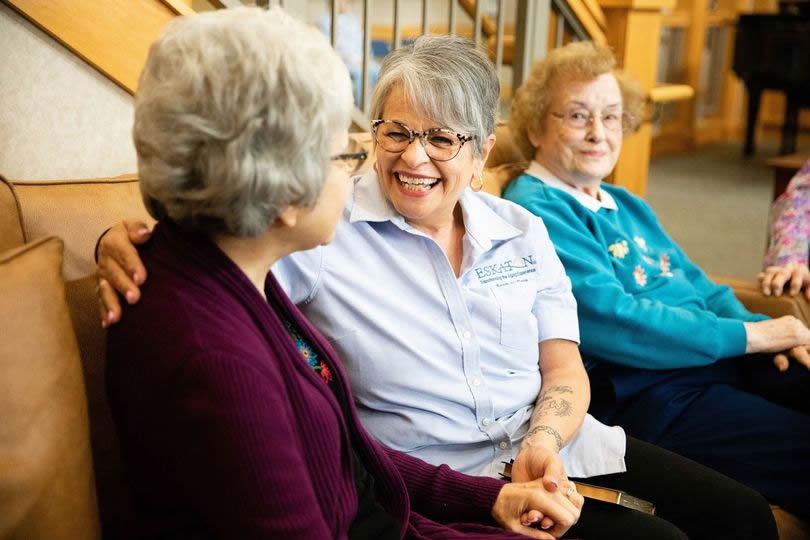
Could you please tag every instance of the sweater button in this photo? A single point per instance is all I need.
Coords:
(504, 445)
(486, 421)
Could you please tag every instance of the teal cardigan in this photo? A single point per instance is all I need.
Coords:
(641, 302)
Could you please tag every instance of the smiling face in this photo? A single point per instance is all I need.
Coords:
(425, 192)
(580, 156)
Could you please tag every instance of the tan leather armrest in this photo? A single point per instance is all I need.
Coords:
(775, 306)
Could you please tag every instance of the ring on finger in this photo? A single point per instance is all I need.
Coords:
(571, 490)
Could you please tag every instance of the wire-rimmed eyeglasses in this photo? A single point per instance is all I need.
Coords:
(581, 118)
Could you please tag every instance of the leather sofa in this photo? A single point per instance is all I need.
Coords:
(89, 488)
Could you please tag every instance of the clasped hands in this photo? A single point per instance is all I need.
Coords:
(540, 494)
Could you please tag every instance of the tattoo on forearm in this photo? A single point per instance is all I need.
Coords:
(544, 429)
(548, 404)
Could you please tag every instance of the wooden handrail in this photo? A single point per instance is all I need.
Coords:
(113, 37)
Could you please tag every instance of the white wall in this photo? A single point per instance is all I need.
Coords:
(59, 117)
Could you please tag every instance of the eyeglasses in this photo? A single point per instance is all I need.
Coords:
(351, 160)
(581, 118)
(440, 144)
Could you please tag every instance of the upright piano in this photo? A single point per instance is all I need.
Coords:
(772, 52)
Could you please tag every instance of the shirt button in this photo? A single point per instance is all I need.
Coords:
(504, 445)
(466, 334)
(476, 382)
(486, 421)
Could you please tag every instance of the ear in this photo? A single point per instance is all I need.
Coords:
(288, 217)
(486, 148)
(534, 136)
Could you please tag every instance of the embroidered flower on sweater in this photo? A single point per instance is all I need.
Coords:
(640, 242)
(619, 249)
(640, 276)
(665, 266)
(326, 374)
(308, 353)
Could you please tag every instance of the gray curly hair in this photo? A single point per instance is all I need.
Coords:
(234, 116)
(447, 79)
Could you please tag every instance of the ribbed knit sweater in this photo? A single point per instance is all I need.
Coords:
(227, 433)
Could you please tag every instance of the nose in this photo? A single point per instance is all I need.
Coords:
(596, 130)
(415, 153)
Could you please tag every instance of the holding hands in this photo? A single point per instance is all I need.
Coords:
(520, 505)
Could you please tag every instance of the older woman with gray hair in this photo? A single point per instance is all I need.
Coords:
(235, 415)
(455, 320)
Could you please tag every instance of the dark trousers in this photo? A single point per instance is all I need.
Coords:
(740, 416)
(692, 501)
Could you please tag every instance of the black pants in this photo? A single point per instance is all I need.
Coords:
(740, 416)
(692, 501)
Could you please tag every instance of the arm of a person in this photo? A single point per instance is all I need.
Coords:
(619, 328)
(121, 271)
(558, 414)
(789, 228)
(445, 495)
(228, 429)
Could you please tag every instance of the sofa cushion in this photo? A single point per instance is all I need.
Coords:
(46, 476)
(78, 212)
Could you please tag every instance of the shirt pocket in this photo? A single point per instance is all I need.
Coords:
(517, 324)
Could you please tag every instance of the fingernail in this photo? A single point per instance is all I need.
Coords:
(143, 232)
(109, 317)
(554, 482)
(130, 296)
(104, 323)
(136, 277)
(546, 526)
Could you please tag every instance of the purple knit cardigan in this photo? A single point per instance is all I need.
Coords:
(226, 431)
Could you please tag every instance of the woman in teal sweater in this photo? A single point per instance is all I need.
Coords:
(672, 356)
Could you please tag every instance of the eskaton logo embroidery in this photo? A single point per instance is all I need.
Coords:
(506, 270)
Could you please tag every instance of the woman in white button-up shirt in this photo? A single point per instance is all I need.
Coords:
(454, 316)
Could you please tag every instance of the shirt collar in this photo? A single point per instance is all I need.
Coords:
(605, 200)
(481, 222)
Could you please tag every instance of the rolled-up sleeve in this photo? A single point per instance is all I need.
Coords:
(554, 307)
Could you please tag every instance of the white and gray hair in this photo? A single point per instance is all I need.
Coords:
(234, 116)
(447, 79)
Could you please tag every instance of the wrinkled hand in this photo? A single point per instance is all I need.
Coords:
(774, 279)
(799, 354)
(556, 512)
(120, 268)
(776, 335)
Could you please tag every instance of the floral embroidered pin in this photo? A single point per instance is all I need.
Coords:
(619, 249)
(640, 276)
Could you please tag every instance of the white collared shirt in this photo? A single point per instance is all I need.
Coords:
(444, 367)
(593, 204)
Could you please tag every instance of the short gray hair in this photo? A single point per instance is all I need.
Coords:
(446, 78)
(234, 116)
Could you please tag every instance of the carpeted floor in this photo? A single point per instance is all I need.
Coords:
(715, 205)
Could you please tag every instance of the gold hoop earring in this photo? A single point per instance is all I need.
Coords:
(477, 183)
